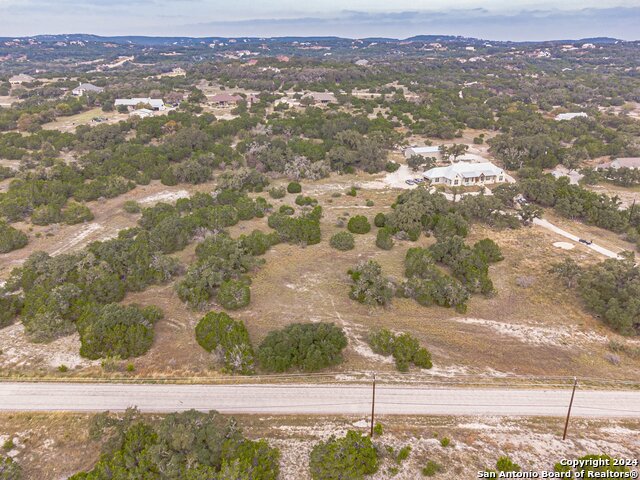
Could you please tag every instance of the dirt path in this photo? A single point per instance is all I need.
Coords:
(550, 226)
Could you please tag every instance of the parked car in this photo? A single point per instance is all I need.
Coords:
(409, 182)
(418, 180)
(586, 242)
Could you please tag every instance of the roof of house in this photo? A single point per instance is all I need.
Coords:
(421, 150)
(626, 162)
(226, 97)
(132, 102)
(89, 87)
(322, 96)
(464, 170)
(570, 116)
(22, 77)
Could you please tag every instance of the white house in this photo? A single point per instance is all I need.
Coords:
(571, 116)
(323, 98)
(20, 79)
(431, 151)
(83, 88)
(465, 174)
(155, 103)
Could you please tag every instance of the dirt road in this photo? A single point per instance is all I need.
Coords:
(316, 399)
(550, 226)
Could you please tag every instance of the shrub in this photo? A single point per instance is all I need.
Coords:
(369, 203)
(9, 469)
(352, 192)
(131, 206)
(348, 458)
(304, 229)
(431, 468)
(308, 347)
(391, 166)
(380, 220)
(233, 294)
(342, 241)
(359, 224)
(369, 285)
(294, 187)
(116, 330)
(277, 192)
(378, 429)
(11, 238)
(403, 454)
(228, 338)
(46, 215)
(445, 442)
(286, 210)
(306, 201)
(384, 239)
(76, 213)
(257, 243)
(404, 347)
(488, 250)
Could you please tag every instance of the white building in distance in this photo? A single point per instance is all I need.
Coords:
(465, 174)
(20, 79)
(430, 151)
(83, 88)
(155, 103)
(571, 116)
(622, 162)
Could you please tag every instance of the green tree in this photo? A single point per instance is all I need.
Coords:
(359, 224)
(217, 332)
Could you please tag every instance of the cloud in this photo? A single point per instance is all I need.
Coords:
(619, 22)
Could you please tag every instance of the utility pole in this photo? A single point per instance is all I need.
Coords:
(373, 403)
(573, 393)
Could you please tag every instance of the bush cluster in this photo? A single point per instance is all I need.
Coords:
(308, 347)
(404, 347)
(217, 332)
(348, 458)
(190, 445)
(11, 238)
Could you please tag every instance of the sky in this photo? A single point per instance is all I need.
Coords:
(488, 19)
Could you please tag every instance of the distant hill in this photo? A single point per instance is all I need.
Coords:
(186, 41)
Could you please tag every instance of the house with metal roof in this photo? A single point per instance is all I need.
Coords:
(430, 151)
(465, 174)
(83, 88)
(225, 99)
(571, 116)
(323, 98)
(622, 162)
(154, 103)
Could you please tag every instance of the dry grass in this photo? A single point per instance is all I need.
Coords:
(541, 329)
